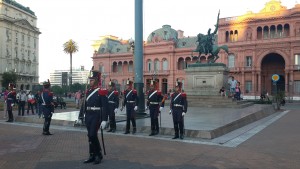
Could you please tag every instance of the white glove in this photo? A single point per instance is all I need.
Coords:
(116, 110)
(103, 124)
(170, 112)
(135, 108)
(161, 108)
(12, 105)
(183, 113)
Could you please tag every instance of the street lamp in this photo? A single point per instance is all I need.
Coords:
(104, 75)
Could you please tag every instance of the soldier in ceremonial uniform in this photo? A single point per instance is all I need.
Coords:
(131, 102)
(178, 108)
(155, 104)
(113, 105)
(11, 99)
(95, 116)
(47, 106)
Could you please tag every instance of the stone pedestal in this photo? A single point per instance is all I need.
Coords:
(206, 79)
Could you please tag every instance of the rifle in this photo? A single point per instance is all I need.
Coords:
(82, 109)
(162, 102)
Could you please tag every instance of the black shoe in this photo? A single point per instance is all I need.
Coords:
(175, 137)
(91, 159)
(10, 121)
(156, 133)
(113, 130)
(47, 133)
(110, 130)
(133, 131)
(181, 137)
(98, 159)
(152, 134)
(126, 132)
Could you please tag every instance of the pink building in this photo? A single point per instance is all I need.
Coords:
(260, 45)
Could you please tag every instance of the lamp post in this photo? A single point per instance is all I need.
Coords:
(104, 75)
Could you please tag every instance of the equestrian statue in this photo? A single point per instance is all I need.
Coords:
(206, 44)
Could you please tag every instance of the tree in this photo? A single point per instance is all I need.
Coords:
(8, 77)
(70, 47)
(57, 90)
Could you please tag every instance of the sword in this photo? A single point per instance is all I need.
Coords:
(103, 141)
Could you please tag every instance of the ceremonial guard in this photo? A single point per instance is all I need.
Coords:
(155, 104)
(113, 105)
(11, 99)
(47, 106)
(178, 108)
(95, 107)
(131, 102)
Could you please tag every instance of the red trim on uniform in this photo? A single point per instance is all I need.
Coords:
(159, 93)
(172, 94)
(183, 94)
(134, 91)
(103, 92)
(116, 92)
(50, 93)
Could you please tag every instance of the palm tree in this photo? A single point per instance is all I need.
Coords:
(70, 47)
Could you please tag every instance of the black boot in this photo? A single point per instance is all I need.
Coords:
(90, 159)
(127, 132)
(181, 136)
(98, 159)
(134, 130)
(110, 130)
(152, 133)
(176, 136)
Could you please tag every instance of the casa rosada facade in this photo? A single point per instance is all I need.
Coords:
(260, 45)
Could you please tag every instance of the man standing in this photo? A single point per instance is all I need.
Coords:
(155, 104)
(22, 101)
(178, 108)
(47, 106)
(113, 104)
(95, 114)
(11, 99)
(131, 102)
(232, 84)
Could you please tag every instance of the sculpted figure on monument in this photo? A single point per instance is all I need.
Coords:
(206, 44)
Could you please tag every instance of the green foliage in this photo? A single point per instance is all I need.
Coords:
(76, 86)
(57, 90)
(8, 77)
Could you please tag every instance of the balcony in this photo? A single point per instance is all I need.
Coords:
(157, 72)
(296, 67)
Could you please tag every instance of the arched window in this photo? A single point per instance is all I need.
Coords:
(180, 65)
(156, 65)
(279, 31)
(231, 60)
(236, 34)
(165, 64)
(272, 31)
(266, 32)
(227, 36)
(149, 65)
(130, 66)
(286, 29)
(259, 33)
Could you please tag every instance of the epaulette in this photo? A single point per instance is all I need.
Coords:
(13, 93)
(172, 94)
(102, 92)
(158, 92)
(147, 92)
(134, 91)
(124, 92)
(50, 93)
(183, 94)
(116, 92)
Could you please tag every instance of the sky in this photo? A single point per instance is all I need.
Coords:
(86, 20)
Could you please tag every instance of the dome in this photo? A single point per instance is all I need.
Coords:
(166, 33)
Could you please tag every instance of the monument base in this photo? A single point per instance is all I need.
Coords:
(206, 79)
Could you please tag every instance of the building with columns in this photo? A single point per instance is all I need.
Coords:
(260, 45)
(19, 43)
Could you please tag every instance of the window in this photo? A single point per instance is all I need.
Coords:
(156, 65)
(149, 63)
(101, 68)
(248, 61)
(248, 86)
(231, 61)
(297, 59)
(165, 64)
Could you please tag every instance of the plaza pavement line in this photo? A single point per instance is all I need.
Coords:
(232, 139)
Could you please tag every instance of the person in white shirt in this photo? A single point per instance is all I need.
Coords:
(30, 102)
(232, 84)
